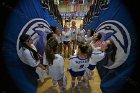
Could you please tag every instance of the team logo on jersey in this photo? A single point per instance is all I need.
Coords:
(116, 31)
(38, 29)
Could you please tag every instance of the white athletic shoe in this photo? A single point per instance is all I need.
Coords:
(62, 90)
(72, 89)
(86, 85)
(78, 88)
(54, 84)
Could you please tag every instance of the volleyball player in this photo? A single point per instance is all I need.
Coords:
(108, 49)
(89, 36)
(81, 34)
(55, 63)
(58, 36)
(31, 56)
(74, 33)
(66, 40)
(78, 64)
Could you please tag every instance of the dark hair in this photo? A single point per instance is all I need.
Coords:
(53, 28)
(91, 32)
(51, 49)
(111, 50)
(85, 49)
(25, 38)
(65, 27)
(82, 26)
(49, 36)
(99, 36)
(89, 51)
(83, 46)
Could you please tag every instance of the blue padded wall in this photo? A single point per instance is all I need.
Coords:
(116, 23)
(24, 18)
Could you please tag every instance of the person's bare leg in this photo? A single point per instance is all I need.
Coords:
(65, 50)
(92, 74)
(72, 47)
(79, 82)
(86, 79)
(60, 83)
(69, 49)
(73, 84)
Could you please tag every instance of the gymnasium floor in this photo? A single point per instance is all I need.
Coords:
(94, 85)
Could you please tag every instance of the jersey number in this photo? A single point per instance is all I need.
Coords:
(81, 66)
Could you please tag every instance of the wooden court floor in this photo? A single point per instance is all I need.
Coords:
(94, 85)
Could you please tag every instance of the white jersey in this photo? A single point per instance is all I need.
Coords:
(56, 71)
(30, 60)
(28, 56)
(58, 38)
(96, 56)
(82, 31)
(66, 35)
(45, 61)
(77, 64)
(73, 34)
(88, 39)
(80, 36)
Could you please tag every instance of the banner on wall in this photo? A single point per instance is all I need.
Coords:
(75, 8)
(66, 1)
(114, 22)
(27, 16)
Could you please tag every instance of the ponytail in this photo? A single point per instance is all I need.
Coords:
(51, 49)
(86, 49)
(111, 50)
(89, 51)
(53, 28)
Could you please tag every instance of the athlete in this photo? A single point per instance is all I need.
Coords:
(81, 34)
(55, 64)
(66, 40)
(74, 33)
(89, 36)
(97, 42)
(58, 36)
(78, 64)
(97, 55)
(31, 56)
(108, 50)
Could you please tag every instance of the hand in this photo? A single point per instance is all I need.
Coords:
(41, 66)
(40, 56)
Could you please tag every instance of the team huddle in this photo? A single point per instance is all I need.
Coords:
(85, 49)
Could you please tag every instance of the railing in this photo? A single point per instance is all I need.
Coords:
(94, 10)
(53, 10)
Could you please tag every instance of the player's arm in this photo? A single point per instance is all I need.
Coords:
(31, 61)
